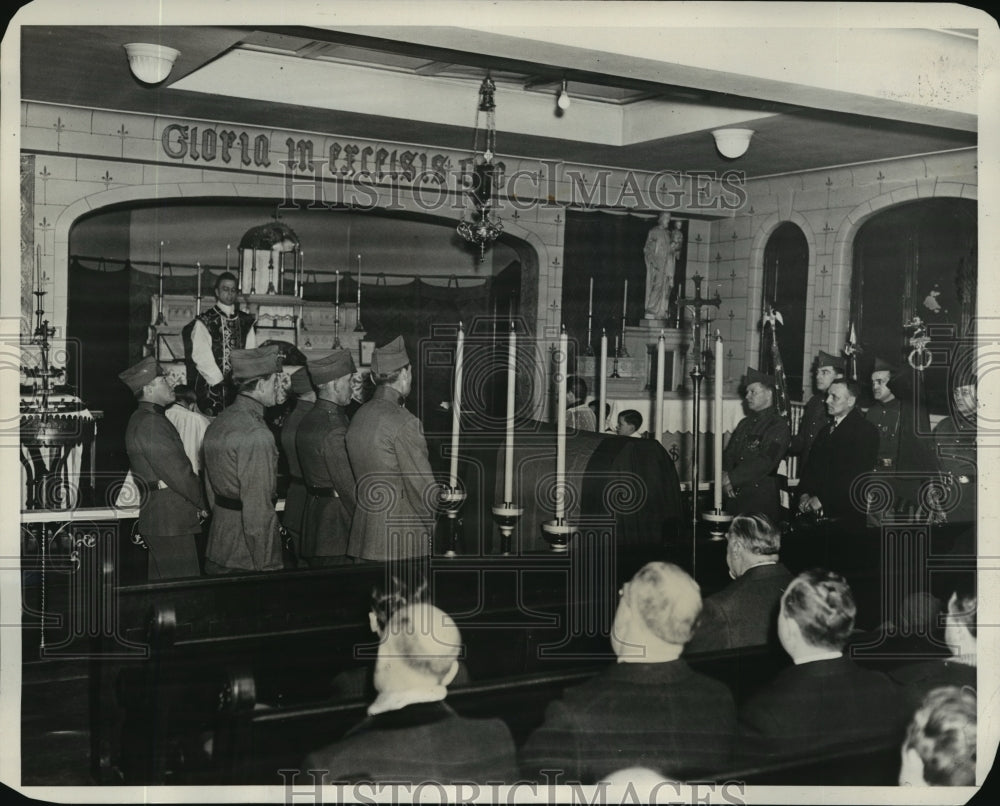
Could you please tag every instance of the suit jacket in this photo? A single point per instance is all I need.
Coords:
(816, 705)
(421, 742)
(743, 613)
(396, 490)
(156, 454)
(836, 459)
(241, 459)
(323, 456)
(660, 715)
(814, 419)
(751, 459)
(918, 679)
(295, 497)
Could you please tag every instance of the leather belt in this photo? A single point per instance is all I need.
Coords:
(321, 492)
(229, 503)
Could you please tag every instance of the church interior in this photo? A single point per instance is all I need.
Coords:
(645, 215)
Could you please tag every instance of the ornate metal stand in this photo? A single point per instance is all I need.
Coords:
(557, 533)
(507, 515)
(452, 499)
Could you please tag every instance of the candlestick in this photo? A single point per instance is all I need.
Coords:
(590, 317)
(717, 436)
(159, 305)
(590, 304)
(456, 408)
(38, 268)
(357, 319)
(561, 359)
(508, 478)
(197, 297)
(661, 355)
(602, 375)
(625, 301)
(228, 247)
(300, 273)
(337, 298)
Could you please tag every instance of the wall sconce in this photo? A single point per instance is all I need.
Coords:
(732, 143)
(149, 63)
(562, 100)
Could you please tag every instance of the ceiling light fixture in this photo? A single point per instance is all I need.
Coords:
(562, 101)
(483, 230)
(732, 143)
(149, 63)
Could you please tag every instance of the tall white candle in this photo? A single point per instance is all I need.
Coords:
(562, 355)
(300, 274)
(625, 299)
(228, 247)
(602, 401)
(661, 356)
(717, 435)
(456, 409)
(358, 312)
(508, 471)
(337, 299)
(197, 297)
(590, 303)
(38, 269)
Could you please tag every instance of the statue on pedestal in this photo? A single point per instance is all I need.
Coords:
(663, 246)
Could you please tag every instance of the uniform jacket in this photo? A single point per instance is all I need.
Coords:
(396, 490)
(814, 418)
(744, 613)
(295, 497)
(955, 445)
(816, 705)
(421, 742)
(751, 459)
(156, 454)
(241, 460)
(904, 454)
(660, 715)
(836, 459)
(322, 454)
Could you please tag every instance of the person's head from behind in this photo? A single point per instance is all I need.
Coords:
(658, 611)
(419, 650)
(816, 614)
(185, 396)
(751, 540)
(576, 390)
(395, 595)
(940, 744)
(629, 422)
(960, 622)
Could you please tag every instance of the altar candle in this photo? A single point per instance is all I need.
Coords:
(603, 376)
(197, 298)
(508, 472)
(161, 275)
(661, 354)
(228, 247)
(717, 436)
(456, 409)
(337, 299)
(625, 299)
(590, 304)
(38, 268)
(359, 289)
(300, 274)
(562, 355)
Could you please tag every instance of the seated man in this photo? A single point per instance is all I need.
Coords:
(825, 699)
(918, 679)
(743, 614)
(846, 448)
(940, 744)
(629, 423)
(410, 734)
(650, 709)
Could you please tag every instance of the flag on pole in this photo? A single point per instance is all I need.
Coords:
(777, 368)
(851, 352)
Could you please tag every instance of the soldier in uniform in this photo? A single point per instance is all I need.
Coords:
(241, 459)
(955, 445)
(397, 492)
(214, 336)
(756, 448)
(173, 506)
(322, 451)
(295, 497)
(814, 415)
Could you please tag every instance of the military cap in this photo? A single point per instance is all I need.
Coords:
(755, 376)
(390, 357)
(301, 382)
(330, 367)
(827, 360)
(138, 375)
(882, 365)
(256, 363)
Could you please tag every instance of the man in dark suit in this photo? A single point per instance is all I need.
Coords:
(650, 709)
(743, 614)
(411, 735)
(756, 448)
(814, 417)
(173, 505)
(846, 448)
(824, 699)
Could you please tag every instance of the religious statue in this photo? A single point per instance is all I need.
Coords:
(663, 246)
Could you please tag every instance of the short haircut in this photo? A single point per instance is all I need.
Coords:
(667, 600)
(383, 378)
(185, 394)
(398, 594)
(632, 417)
(425, 638)
(250, 384)
(578, 386)
(853, 387)
(756, 534)
(226, 275)
(822, 604)
(943, 732)
(965, 613)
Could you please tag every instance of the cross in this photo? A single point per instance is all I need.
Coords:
(698, 302)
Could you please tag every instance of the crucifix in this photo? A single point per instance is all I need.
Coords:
(697, 302)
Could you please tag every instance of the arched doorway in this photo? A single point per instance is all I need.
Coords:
(786, 275)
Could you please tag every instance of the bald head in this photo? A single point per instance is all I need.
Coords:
(424, 640)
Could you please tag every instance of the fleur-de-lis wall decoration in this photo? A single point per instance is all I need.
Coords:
(122, 134)
(107, 179)
(59, 126)
(44, 175)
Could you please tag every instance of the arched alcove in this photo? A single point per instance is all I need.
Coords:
(784, 286)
